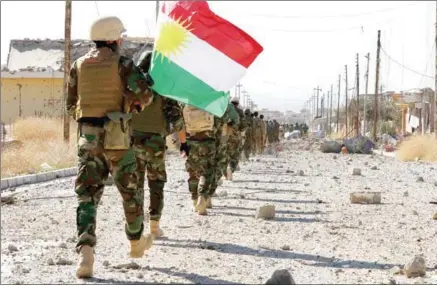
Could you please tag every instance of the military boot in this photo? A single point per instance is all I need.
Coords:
(201, 206)
(229, 174)
(86, 262)
(209, 203)
(155, 230)
(140, 246)
(195, 205)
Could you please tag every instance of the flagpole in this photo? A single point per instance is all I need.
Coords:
(157, 11)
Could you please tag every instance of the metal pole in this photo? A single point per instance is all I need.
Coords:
(157, 11)
(67, 43)
(375, 107)
(338, 103)
(365, 97)
(330, 111)
(345, 68)
(357, 122)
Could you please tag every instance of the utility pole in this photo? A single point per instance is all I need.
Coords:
(330, 111)
(375, 106)
(67, 45)
(357, 122)
(365, 97)
(238, 90)
(434, 108)
(338, 103)
(346, 108)
(157, 10)
(317, 103)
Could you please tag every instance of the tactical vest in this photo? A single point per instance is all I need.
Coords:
(151, 119)
(99, 85)
(197, 120)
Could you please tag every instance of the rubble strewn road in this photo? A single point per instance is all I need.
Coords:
(316, 233)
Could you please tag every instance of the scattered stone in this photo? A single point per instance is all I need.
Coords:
(140, 275)
(406, 194)
(396, 270)
(435, 184)
(365, 198)
(62, 261)
(63, 245)
(366, 163)
(12, 248)
(222, 194)
(434, 217)
(301, 173)
(288, 171)
(420, 179)
(319, 201)
(415, 212)
(9, 200)
(50, 261)
(265, 212)
(335, 178)
(334, 157)
(131, 265)
(416, 267)
(109, 181)
(106, 263)
(306, 184)
(392, 281)
(373, 168)
(210, 247)
(356, 171)
(285, 247)
(281, 277)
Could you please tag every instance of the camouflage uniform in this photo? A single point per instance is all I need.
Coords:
(235, 141)
(247, 144)
(221, 156)
(258, 135)
(263, 135)
(149, 130)
(96, 159)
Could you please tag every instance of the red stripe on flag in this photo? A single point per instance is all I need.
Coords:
(216, 31)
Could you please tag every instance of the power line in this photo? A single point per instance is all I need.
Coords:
(327, 16)
(97, 8)
(318, 31)
(407, 68)
(427, 63)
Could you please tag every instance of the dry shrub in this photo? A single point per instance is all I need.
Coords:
(42, 142)
(418, 146)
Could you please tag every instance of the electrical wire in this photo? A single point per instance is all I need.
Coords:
(427, 63)
(97, 8)
(407, 68)
(327, 16)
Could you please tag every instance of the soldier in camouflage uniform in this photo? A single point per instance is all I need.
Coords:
(257, 133)
(223, 125)
(247, 144)
(235, 138)
(200, 165)
(263, 133)
(104, 89)
(149, 130)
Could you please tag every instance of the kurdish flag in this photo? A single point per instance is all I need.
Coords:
(198, 56)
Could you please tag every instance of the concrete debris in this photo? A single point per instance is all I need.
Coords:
(281, 277)
(365, 198)
(396, 270)
(265, 212)
(285, 247)
(50, 262)
(222, 193)
(434, 217)
(63, 245)
(420, 179)
(131, 265)
(12, 248)
(416, 267)
(356, 171)
(62, 261)
(106, 263)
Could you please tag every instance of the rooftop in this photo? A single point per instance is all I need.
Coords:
(48, 55)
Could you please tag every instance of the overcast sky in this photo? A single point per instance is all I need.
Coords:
(306, 44)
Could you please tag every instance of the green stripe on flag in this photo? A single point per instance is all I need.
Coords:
(174, 82)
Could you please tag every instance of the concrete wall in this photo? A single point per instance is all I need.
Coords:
(24, 96)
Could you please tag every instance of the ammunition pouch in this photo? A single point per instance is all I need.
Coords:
(117, 131)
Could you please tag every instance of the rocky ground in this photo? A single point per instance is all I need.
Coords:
(316, 234)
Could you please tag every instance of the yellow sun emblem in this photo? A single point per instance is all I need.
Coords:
(172, 38)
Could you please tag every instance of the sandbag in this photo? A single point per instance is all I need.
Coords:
(330, 147)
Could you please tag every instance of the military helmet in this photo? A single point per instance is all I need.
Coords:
(247, 111)
(235, 100)
(106, 29)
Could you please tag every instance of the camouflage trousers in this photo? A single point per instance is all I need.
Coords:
(220, 161)
(94, 165)
(234, 151)
(247, 147)
(200, 166)
(150, 154)
(259, 144)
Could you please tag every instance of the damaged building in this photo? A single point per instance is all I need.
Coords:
(32, 80)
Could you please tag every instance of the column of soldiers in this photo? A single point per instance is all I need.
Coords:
(122, 126)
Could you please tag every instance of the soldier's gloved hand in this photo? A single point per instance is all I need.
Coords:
(184, 148)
